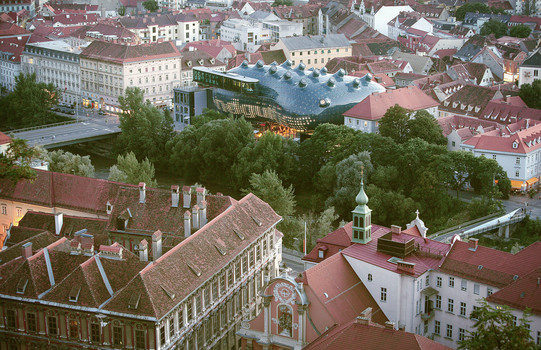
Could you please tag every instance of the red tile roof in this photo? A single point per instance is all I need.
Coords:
(491, 266)
(14, 46)
(522, 293)
(72, 19)
(374, 106)
(105, 51)
(455, 122)
(340, 298)
(509, 110)
(428, 256)
(7, 29)
(527, 140)
(356, 335)
(476, 97)
(4, 139)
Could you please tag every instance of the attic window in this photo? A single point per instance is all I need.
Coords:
(189, 63)
(74, 293)
(480, 267)
(257, 221)
(394, 260)
(170, 294)
(515, 144)
(515, 277)
(21, 286)
(221, 249)
(239, 235)
(194, 269)
(134, 301)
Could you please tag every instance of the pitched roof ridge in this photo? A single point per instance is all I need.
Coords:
(143, 282)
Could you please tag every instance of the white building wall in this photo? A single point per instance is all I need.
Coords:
(8, 72)
(384, 15)
(528, 75)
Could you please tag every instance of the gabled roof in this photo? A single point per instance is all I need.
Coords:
(455, 122)
(491, 266)
(118, 53)
(533, 60)
(506, 112)
(419, 64)
(71, 224)
(374, 106)
(315, 42)
(470, 100)
(356, 335)
(10, 29)
(522, 293)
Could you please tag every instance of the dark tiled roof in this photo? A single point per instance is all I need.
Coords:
(71, 224)
(469, 95)
(534, 60)
(105, 51)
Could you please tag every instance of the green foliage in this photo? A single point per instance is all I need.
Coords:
(15, 163)
(397, 125)
(129, 170)
(493, 26)
(270, 152)
(531, 94)
(424, 126)
(268, 187)
(394, 124)
(30, 103)
(145, 129)
(460, 13)
(207, 116)
(484, 206)
(151, 5)
(121, 11)
(282, 2)
(495, 328)
(209, 151)
(69, 163)
(520, 31)
(390, 207)
(347, 183)
(528, 231)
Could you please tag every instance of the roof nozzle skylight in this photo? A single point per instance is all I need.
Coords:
(331, 82)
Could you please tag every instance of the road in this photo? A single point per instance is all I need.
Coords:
(62, 135)
(293, 262)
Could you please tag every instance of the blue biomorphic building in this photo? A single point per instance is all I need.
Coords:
(292, 98)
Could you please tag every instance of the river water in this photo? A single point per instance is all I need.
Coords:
(165, 179)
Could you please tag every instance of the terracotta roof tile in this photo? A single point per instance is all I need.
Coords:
(522, 293)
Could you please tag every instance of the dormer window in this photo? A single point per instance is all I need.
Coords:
(455, 104)
(109, 208)
(321, 253)
(515, 144)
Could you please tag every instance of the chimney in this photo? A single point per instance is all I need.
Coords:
(186, 196)
(203, 213)
(195, 215)
(86, 240)
(396, 229)
(201, 193)
(473, 244)
(174, 196)
(187, 224)
(143, 250)
(142, 192)
(389, 325)
(156, 245)
(58, 222)
(26, 250)
(406, 267)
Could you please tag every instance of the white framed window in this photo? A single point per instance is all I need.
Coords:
(489, 291)
(461, 334)
(438, 302)
(464, 285)
(4, 209)
(383, 296)
(438, 281)
(437, 326)
(370, 277)
(462, 308)
(19, 212)
(449, 333)
(452, 282)
(450, 305)
(476, 289)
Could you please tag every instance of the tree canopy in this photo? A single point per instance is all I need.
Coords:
(145, 129)
(493, 26)
(496, 328)
(129, 170)
(397, 124)
(282, 2)
(520, 31)
(151, 5)
(531, 94)
(16, 162)
(479, 7)
(30, 103)
(69, 163)
(269, 188)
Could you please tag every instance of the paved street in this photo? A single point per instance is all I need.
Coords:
(293, 262)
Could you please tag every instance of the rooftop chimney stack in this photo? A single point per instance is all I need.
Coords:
(201, 194)
(142, 192)
(143, 250)
(186, 197)
(187, 224)
(473, 244)
(58, 222)
(389, 325)
(156, 245)
(203, 213)
(195, 217)
(396, 229)
(26, 250)
(175, 196)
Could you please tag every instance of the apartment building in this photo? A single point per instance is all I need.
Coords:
(107, 69)
(11, 49)
(56, 62)
(314, 51)
(70, 292)
(158, 27)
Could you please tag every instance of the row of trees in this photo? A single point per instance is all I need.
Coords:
(29, 104)
(499, 29)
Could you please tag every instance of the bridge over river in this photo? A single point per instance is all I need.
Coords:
(67, 133)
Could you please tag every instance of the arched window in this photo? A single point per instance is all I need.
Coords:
(370, 277)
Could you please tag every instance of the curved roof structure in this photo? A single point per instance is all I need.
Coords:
(294, 96)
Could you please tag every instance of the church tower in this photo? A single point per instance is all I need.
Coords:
(362, 222)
